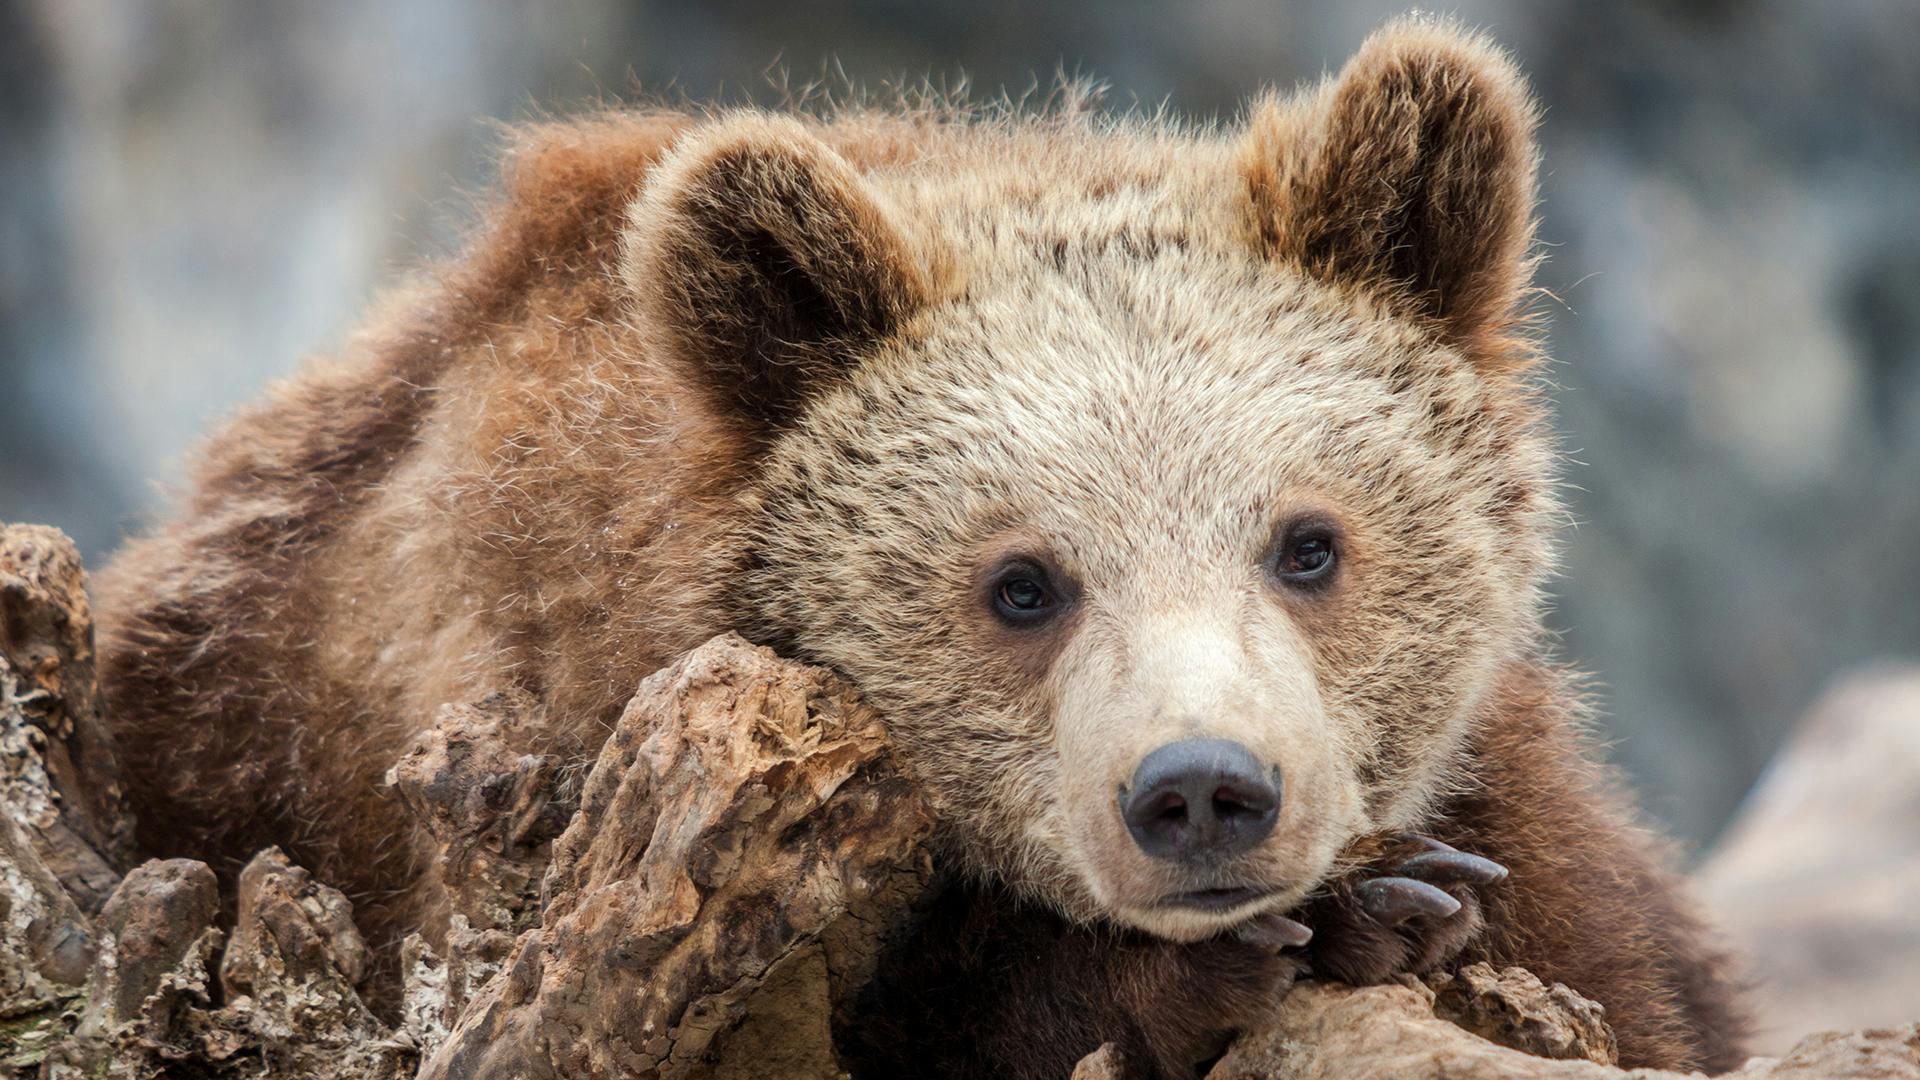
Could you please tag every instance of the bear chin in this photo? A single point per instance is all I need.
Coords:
(1206, 917)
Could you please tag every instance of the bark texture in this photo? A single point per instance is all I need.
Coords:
(60, 781)
(494, 807)
(64, 836)
(46, 948)
(739, 842)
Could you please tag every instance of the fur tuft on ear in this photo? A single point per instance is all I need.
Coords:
(767, 262)
(1412, 174)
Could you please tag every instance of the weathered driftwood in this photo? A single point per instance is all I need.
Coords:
(286, 976)
(740, 843)
(46, 949)
(493, 805)
(58, 777)
(289, 978)
(157, 947)
(1513, 1008)
(742, 846)
(63, 834)
(1324, 1031)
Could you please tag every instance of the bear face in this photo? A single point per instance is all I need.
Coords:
(1177, 509)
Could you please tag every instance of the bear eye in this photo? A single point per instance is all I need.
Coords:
(1306, 556)
(1022, 595)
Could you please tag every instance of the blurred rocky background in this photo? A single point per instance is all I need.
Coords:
(196, 193)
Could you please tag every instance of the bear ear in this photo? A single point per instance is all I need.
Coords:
(1411, 174)
(768, 263)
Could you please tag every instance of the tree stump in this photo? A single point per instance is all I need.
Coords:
(493, 805)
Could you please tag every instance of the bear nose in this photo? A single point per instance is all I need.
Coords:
(1200, 799)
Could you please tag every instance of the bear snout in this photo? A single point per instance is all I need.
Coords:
(1200, 801)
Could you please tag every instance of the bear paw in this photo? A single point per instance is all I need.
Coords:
(1188, 1001)
(1409, 916)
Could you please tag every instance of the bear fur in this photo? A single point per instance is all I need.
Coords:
(813, 378)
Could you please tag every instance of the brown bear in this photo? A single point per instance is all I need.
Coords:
(1182, 495)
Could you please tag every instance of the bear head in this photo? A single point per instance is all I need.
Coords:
(1178, 495)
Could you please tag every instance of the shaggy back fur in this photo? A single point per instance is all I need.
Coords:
(814, 379)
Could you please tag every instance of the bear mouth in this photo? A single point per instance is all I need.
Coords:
(1217, 900)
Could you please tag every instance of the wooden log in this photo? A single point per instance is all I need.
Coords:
(289, 976)
(47, 951)
(1325, 1031)
(1513, 1008)
(59, 778)
(152, 973)
(494, 807)
(741, 843)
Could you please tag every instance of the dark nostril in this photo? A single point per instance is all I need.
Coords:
(1200, 799)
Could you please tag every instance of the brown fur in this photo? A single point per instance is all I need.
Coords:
(991, 986)
(1593, 902)
(808, 379)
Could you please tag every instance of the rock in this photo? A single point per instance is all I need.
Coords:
(741, 844)
(59, 778)
(1816, 878)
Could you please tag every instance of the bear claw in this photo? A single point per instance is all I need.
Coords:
(1274, 932)
(1451, 868)
(1423, 909)
(1394, 900)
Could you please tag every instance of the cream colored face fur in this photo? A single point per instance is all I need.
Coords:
(1149, 426)
(1136, 354)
